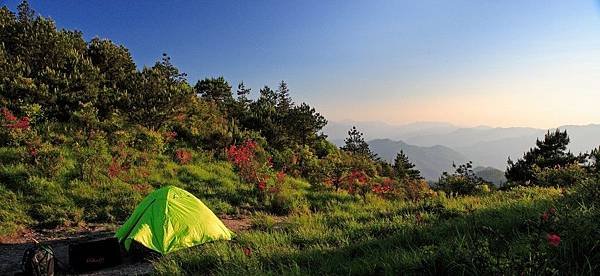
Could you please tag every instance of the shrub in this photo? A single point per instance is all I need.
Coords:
(50, 205)
(463, 181)
(559, 176)
(357, 182)
(13, 130)
(416, 189)
(183, 156)
(148, 140)
(251, 162)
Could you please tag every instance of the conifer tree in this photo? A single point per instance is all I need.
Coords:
(356, 144)
(403, 168)
(548, 153)
(284, 102)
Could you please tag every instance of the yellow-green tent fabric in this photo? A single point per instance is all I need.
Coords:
(169, 219)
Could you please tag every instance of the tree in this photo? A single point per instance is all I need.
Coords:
(215, 89)
(463, 181)
(243, 94)
(26, 13)
(303, 123)
(118, 75)
(594, 166)
(404, 169)
(161, 90)
(548, 153)
(284, 102)
(355, 144)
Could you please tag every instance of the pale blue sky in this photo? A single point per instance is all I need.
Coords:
(499, 63)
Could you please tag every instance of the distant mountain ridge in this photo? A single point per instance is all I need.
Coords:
(485, 146)
(431, 161)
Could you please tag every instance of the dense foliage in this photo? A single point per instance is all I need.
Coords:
(85, 134)
(547, 154)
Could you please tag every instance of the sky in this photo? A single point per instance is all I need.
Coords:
(496, 63)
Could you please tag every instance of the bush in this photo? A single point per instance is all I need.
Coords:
(148, 140)
(559, 176)
(416, 189)
(463, 181)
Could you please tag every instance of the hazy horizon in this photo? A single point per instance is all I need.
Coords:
(401, 124)
(509, 63)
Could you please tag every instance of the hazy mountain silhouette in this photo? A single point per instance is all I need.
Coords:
(379, 130)
(431, 161)
(485, 146)
(490, 174)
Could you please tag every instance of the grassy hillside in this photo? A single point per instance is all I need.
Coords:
(499, 233)
(63, 199)
(85, 135)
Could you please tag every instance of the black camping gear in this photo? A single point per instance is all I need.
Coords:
(94, 254)
(38, 260)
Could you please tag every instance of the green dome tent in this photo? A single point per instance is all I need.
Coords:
(169, 219)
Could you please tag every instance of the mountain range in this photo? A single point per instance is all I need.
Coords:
(434, 146)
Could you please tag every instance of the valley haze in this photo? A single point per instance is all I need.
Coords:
(434, 146)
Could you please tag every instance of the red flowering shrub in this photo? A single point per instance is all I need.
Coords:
(183, 156)
(8, 116)
(545, 216)
(383, 188)
(247, 251)
(356, 182)
(14, 130)
(262, 185)
(252, 163)
(12, 122)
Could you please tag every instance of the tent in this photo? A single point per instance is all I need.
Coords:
(169, 219)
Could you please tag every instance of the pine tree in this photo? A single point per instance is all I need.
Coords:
(284, 102)
(25, 12)
(242, 95)
(594, 166)
(215, 89)
(403, 168)
(548, 153)
(356, 144)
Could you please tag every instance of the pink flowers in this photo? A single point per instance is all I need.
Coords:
(553, 239)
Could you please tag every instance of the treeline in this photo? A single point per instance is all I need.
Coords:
(86, 103)
(65, 98)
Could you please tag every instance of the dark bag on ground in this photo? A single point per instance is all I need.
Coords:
(38, 260)
(95, 254)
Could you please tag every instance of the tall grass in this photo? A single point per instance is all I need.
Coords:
(345, 235)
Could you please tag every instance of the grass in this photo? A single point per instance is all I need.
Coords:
(348, 236)
(305, 231)
(35, 199)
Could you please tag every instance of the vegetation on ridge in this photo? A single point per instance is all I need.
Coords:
(85, 135)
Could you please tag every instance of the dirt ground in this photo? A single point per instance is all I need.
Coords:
(12, 248)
